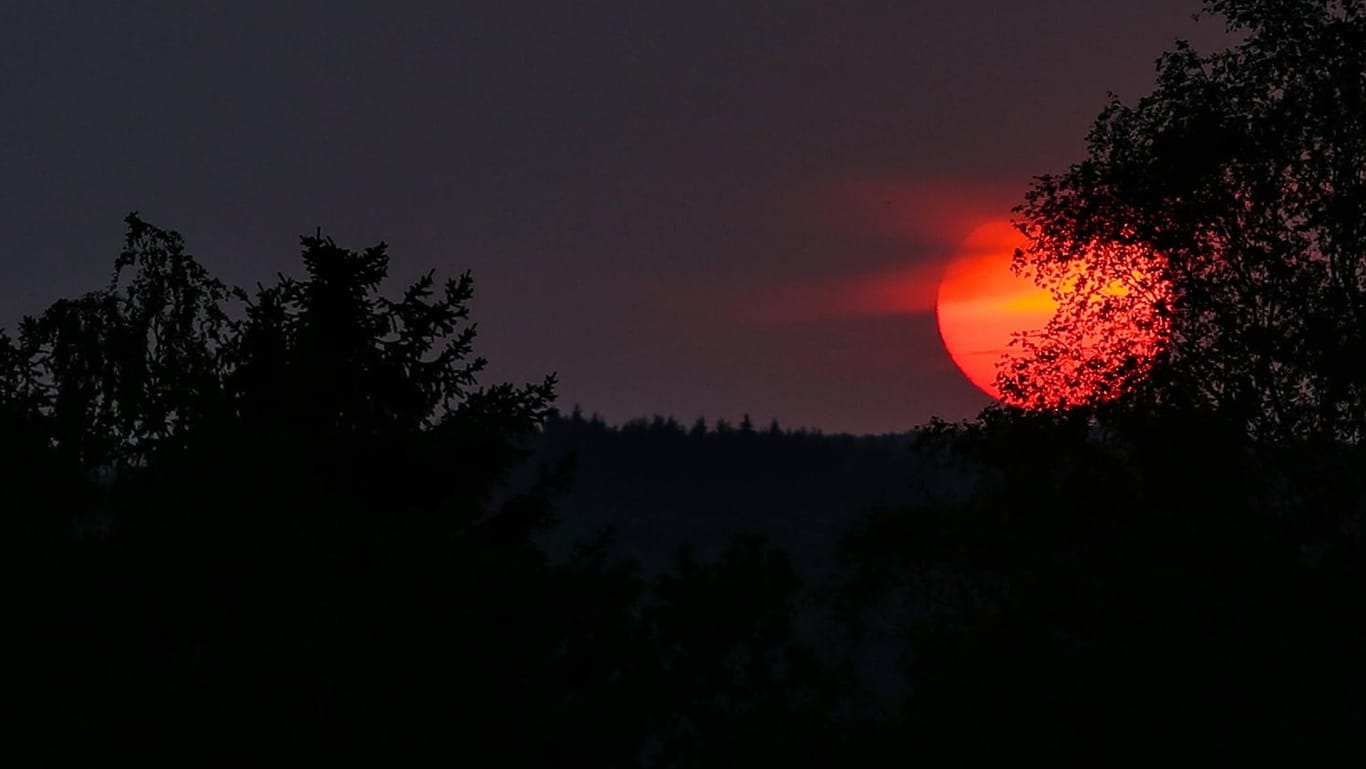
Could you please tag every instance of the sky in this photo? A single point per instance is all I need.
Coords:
(684, 208)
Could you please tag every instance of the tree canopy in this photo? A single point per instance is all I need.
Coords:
(1233, 199)
(261, 527)
(1168, 560)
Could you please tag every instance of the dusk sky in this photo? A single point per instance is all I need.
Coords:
(683, 208)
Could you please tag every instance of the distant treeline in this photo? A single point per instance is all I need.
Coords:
(700, 426)
(658, 484)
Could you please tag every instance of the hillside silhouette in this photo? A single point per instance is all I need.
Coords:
(658, 485)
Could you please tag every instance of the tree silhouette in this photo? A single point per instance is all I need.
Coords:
(1235, 191)
(262, 528)
(1164, 590)
(1167, 557)
(263, 515)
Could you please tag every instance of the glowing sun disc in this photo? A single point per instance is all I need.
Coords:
(1106, 336)
(981, 303)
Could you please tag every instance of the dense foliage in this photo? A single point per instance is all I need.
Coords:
(1174, 569)
(262, 529)
(1233, 198)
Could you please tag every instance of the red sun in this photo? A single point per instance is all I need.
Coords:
(982, 305)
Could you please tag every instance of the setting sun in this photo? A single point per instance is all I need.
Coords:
(982, 305)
